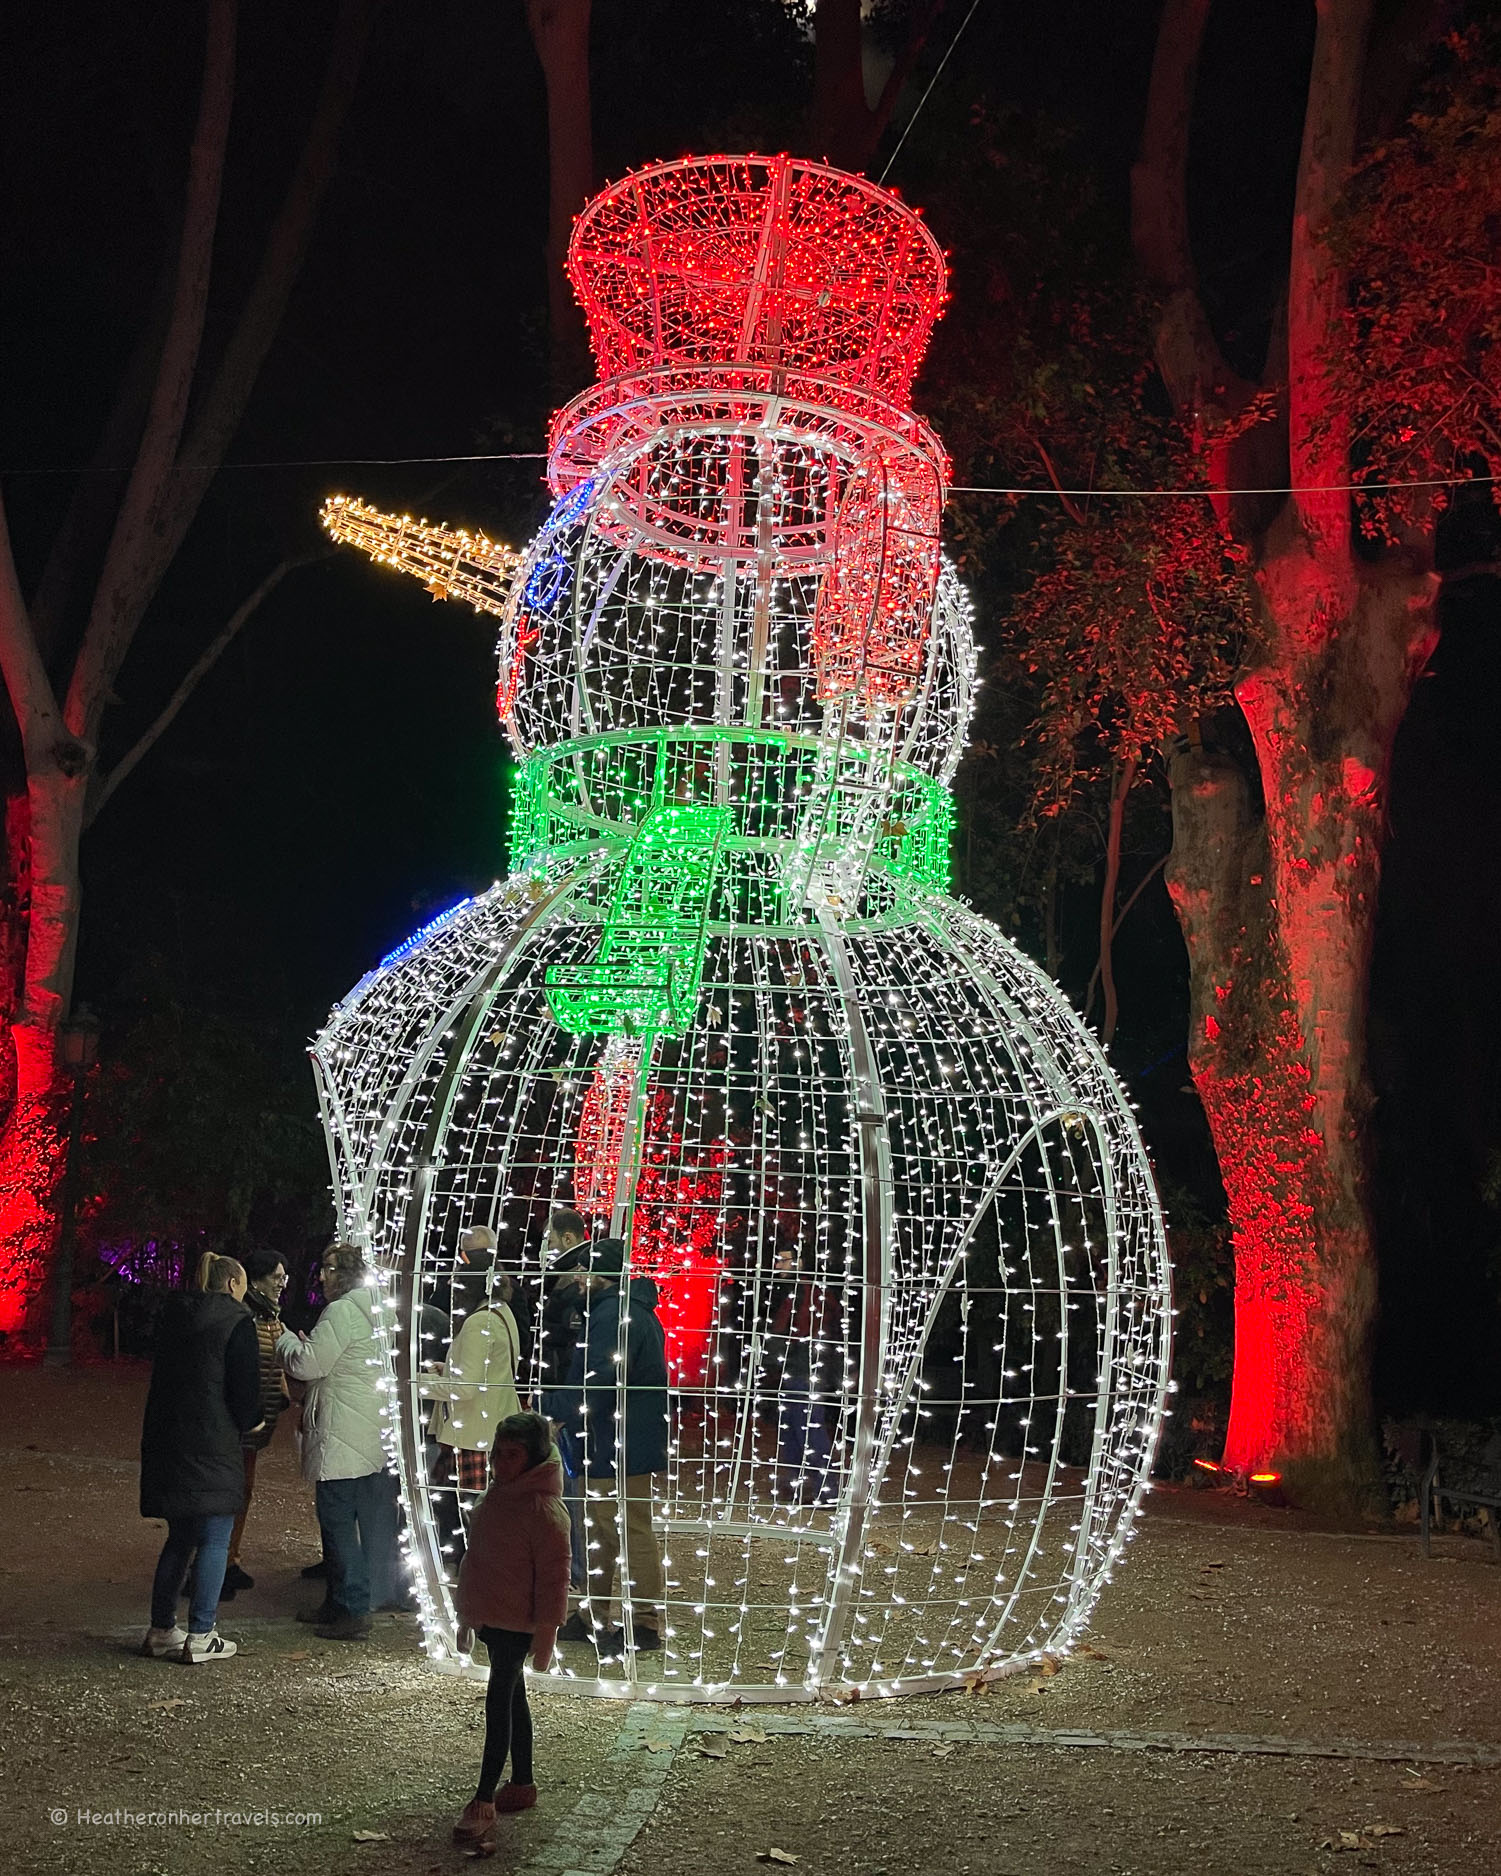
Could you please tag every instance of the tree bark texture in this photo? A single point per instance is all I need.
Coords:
(1275, 888)
(560, 33)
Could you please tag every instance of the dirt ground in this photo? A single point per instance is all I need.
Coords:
(1232, 1625)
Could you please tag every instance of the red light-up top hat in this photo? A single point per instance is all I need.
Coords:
(758, 322)
(770, 261)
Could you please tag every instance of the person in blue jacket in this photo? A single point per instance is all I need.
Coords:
(621, 1317)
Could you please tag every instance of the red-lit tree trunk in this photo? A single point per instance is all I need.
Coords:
(1276, 896)
(175, 460)
(560, 33)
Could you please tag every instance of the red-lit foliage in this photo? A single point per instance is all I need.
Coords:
(1418, 369)
(1135, 632)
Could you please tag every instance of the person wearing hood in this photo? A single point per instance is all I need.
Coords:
(622, 1324)
(205, 1395)
(512, 1593)
(343, 1449)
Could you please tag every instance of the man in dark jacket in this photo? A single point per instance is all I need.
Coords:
(622, 1322)
(205, 1396)
(564, 1294)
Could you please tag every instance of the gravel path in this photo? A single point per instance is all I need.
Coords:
(1258, 1696)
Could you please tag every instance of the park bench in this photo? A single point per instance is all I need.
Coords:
(1449, 1468)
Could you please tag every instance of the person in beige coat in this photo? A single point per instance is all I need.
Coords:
(476, 1388)
(513, 1593)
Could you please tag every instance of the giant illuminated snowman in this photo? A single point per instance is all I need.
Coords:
(911, 1264)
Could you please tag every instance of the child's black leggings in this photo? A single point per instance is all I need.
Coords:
(508, 1719)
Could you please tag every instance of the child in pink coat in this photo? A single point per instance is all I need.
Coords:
(513, 1594)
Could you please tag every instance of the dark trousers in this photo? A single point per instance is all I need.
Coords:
(236, 1536)
(508, 1719)
(358, 1520)
(803, 1444)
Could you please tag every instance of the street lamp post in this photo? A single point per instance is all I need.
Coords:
(78, 1050)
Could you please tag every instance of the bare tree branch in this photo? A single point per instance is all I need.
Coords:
(210, 656)
(1120, 918)
(224, 402)
(1201, 384)
(1318, 429)
(901, 71)
(118, 600)
(78, 546)
(31, 694)
(560, 34)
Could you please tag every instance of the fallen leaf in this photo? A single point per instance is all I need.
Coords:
(1414, 1781)
(657, 1745)
(976, 1683)
(1382, 1830)
(775, 1856)
(1049, 1664)
(942, 1750)
(748, 1736)
(164, 1706)
(712, 1749)
(372, 1836)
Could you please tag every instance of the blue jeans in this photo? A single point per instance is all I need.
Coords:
(209, 1537)
(358, 1517)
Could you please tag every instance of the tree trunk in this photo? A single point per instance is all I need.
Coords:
(560, 33)
(842, 128)
(1324, 719)
(1277, 901)
(31, 1141)
(1277, 908)
(1120, 788)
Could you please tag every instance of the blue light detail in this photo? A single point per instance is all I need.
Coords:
(549, 576)
(421, 936)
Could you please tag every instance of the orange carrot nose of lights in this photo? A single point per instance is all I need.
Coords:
(450, 562)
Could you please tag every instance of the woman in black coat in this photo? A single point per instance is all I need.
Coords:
(205, 1394)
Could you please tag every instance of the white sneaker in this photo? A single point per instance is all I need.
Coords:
(210, 1647)
(161, 1642)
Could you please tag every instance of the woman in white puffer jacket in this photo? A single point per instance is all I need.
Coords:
(343, 1450)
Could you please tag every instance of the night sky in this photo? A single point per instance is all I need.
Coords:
(341, 776)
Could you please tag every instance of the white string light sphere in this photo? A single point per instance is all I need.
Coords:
(909, 1255)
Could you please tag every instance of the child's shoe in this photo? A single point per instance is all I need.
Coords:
(475, 1824)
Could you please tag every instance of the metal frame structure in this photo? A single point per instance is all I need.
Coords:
(909, 1256)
